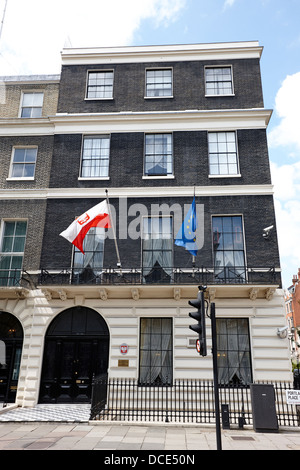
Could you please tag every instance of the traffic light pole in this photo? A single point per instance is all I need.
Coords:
(215, 370)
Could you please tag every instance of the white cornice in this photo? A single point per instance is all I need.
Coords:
(137, 192)
(170, 120)
(21, 126)
(256, 118)
(166, 53)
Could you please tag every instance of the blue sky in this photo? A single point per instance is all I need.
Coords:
(35, 31)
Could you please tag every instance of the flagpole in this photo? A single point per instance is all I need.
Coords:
(113, 229)
(193, 256)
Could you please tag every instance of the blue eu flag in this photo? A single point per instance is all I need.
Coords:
(186, 236)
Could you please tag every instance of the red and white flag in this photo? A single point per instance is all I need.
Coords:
(97, 216)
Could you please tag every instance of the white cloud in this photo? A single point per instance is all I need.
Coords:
(286, 177)
(287, 105)
(35, 31)
(229, 3)
(286, 180)
(288, 229)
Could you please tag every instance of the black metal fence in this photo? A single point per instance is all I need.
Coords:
(159, 275)
(186, 401)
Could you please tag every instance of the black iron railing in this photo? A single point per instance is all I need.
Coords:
(99, 394)
(173, 275)
(10, 277)
(186, 401)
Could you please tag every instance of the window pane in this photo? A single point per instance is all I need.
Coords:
(158, 83)
(7, 244)
(95, 157)
(233, 345)
(100, 85)
(28, 99)
(158, 154)
(32, 105)
(21, 227)
(91, 262)
(38, 99)
(36, 112)
(30, 154)
(26, 112)
(228, 246)
(157, 247)
(155, 351)
(17, 171)
(218, 81)
(13, 242)
(28, 170)
(222, 153)
(19, 155)
(19, 243)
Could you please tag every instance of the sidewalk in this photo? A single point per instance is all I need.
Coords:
(137, 437)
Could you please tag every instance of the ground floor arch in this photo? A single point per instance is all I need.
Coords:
(76, 349)
(11, 343)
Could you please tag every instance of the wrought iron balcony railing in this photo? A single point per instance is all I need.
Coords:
(159, 276)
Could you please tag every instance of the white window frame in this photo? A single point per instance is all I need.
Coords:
(211, 95)
(12, 163)
(148, 364)
(90, 250)
(162, 176)
(93, 136)
(12, 253)
(157, 69)
(224, 175)
(147, 268)
(104, 98)
(31, 92)
(244, 240)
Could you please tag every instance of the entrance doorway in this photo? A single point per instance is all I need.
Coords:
(11, 343)
(76, 349)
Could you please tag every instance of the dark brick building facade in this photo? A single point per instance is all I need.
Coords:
(152, 127)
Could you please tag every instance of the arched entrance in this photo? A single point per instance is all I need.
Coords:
(76, 349)
(11, 342)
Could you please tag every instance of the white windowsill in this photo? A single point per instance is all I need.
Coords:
(219, 96)
(104, 178)
(225, 176)
(28, 178)
(101, 99)
(157, 177)
(157, 97)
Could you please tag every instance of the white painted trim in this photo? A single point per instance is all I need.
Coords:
(166, 53)
(169, 120)
(107, 123)
(22, 178)
(157, 177)
(98, 193)
(237, 175)
(26, 126)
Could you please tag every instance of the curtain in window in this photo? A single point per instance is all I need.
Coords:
(12, 252)
(228, 246)
(156, 351)
(157, 245)
(233, 345)
(92, 261)
(158, 154)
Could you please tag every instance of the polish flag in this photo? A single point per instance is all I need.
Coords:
(97, 216)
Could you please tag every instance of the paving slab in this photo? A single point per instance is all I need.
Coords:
(55, 428)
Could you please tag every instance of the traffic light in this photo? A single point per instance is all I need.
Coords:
(199, 328)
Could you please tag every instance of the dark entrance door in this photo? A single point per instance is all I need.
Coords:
(76, 349)
(11, 342)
